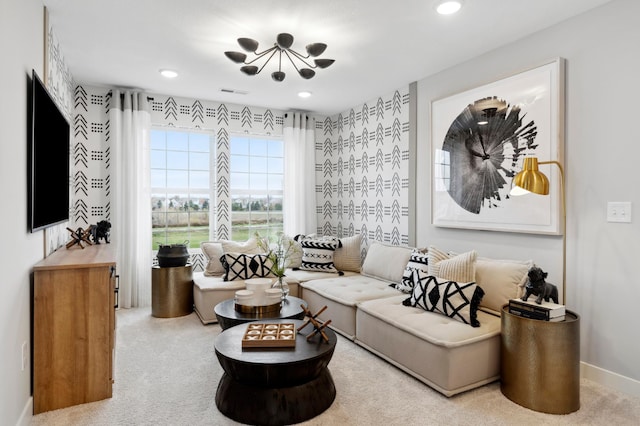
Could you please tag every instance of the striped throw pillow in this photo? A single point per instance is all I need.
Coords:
(317, 255)
(461, 267)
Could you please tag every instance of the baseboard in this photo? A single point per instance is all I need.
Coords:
(610, 379)
(27, 413)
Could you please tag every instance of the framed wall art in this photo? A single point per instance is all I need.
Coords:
(478, 141)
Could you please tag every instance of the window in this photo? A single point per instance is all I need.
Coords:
(257, 173)
(180, 191)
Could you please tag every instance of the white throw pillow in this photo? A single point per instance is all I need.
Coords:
(212, 251)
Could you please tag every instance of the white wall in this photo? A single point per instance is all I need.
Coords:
(21, 46)
(602, 147)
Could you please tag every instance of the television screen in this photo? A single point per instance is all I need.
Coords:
(49, 160)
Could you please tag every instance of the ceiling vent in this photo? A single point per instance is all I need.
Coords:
(237, 92)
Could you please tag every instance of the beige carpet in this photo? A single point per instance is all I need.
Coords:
(167, 374)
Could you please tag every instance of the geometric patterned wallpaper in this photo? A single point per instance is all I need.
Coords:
(59, 83)
(362, 169)
(361, 160)
(92, 149)
(362, 156)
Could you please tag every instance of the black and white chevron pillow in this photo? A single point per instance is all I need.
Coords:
(458, 301)
(418, 260)
(238, 266)
(317, 254)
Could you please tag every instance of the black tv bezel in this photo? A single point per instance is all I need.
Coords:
(34, 203)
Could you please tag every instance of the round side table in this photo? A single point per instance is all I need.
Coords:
(540, 362)
(171, 291)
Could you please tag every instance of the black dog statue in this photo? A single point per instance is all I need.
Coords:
(537, 285)
(101, 230)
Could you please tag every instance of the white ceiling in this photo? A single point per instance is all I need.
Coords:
(378, 45)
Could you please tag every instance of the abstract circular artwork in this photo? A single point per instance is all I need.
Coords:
(483, 145)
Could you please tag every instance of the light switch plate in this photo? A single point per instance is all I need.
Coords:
(618, 211)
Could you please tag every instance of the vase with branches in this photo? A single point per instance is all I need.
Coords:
(279, 254)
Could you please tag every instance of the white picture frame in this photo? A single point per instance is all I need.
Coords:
(479, 138)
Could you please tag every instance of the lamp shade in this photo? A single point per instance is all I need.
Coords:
(530, 178)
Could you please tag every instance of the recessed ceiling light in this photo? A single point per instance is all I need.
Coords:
(304, 94)
(168, 73)
(448, 7)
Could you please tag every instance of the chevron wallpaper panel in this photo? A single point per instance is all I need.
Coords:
(362, 170)
(361, 160)
(59, 82)
(222, 120)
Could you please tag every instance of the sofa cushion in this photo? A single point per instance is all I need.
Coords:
(461, 267)
(459, 301)
(418, 260)
(386, 262)
(429, 326)
(239, 266)
(444, 353)
(347, 257)
(501, 280)
(303, 276)
(349, 290)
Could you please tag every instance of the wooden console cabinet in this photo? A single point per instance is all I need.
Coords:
(73, 327)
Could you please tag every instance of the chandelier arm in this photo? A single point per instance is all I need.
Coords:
(301, 58)
(286, 52)
(273, 52)
(262, 55)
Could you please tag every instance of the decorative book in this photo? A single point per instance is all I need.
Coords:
(265, 335)
(546, 311)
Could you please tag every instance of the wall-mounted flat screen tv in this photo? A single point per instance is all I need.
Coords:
(48, 166)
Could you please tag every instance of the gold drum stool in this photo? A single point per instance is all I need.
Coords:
(540, 366)
(171, 291)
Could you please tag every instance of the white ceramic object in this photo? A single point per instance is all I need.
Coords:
(258, 286)
(244, 297)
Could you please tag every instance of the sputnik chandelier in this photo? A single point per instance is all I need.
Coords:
(283, 44)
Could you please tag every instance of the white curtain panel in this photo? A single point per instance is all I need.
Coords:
(130, 201)
(299, 175)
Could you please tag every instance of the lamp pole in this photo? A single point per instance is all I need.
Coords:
(564, 228)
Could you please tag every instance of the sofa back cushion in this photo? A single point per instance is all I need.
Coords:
(501, 280)
(386, 262)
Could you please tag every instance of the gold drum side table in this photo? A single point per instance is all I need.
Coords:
(171, 291)
(540, 365)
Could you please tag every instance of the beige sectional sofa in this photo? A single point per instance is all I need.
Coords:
(448, 355)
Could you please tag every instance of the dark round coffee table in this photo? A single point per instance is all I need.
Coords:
(229, 317)
(274, 386)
